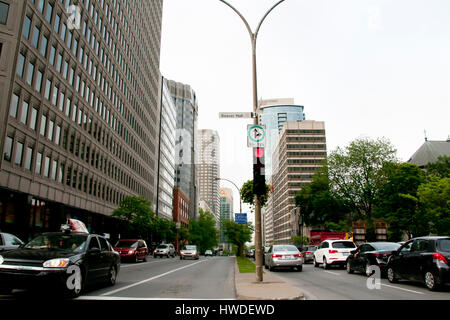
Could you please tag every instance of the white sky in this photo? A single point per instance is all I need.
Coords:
(374, 68)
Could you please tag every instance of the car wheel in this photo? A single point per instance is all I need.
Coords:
(112, 275)
(136, 259)
(391, 275)
(349, 267)
(299, 268)
(315, 262)
(265, 266)
(181, 258)
(75, 292)
(145, 259)
(431, 281)
(325, 264)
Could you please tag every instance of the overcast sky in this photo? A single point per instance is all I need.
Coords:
(367, 68)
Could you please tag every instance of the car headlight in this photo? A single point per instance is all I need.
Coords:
(1, 259)
(56, 263)
(130, 252)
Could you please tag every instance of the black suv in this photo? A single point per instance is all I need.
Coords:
(66, 261)
(424, 259)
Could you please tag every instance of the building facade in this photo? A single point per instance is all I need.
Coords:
(430, 151)
(209, 169)
(186, 142)
(226, 213)
(79, 110)
(166, 161)
(298, 154)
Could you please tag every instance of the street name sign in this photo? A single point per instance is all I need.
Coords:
(240, 218)
(235, 115)
(256, 135)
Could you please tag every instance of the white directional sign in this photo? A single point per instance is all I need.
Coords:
(256, 135)
(235, 115)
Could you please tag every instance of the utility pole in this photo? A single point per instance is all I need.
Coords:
(258, 231)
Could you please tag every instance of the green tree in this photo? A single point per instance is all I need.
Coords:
(318, 204)
(435, 198)
(203, 232)
(440, 168)
(356, 173)
(248, 196)
(137, 214)
(163, 230)
(238, 234)
(300, 240)
(398, 203)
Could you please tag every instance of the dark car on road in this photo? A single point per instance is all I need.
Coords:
(132, 249)
(370, 254)
(64, 262)
(424, 259)
(9, 242)
(308, 253)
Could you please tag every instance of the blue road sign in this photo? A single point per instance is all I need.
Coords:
(240, 218)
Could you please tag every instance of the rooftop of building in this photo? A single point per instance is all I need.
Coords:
(430, 151)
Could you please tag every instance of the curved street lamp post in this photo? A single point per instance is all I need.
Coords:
(253, 37)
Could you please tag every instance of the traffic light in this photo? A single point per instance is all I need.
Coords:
(259, 179)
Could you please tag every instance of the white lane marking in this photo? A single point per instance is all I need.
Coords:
(138, 264)
(336, 274)
(387, 285)
(150, 279)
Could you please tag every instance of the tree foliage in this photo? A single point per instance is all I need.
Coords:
(434, 196)
(136, 212)
(203, 232)
(238, 234)
(440, 168)
(248, 196)
(356, 173)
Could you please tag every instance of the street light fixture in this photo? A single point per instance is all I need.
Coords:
(258, 231)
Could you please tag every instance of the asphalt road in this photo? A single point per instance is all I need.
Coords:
(337, 284)
(172, 278)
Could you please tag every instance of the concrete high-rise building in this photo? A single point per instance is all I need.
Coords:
(209, 169)
(80, 113)
(226, 211)
(166, 161)
(186, 143)
(299, 152)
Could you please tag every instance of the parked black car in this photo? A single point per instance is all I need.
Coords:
(308, 253)
(424, 259)
(9, 242)
(370, 254)
(59, 261)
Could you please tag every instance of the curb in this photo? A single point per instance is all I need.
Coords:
(272, 287)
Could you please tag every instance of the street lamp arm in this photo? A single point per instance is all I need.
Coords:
(267, 13)
(242, 17)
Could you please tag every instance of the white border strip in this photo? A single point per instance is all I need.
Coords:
(387, 285)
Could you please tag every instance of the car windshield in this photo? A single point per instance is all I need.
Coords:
(190, 248)
(444, 245)
(343, 245)
(65, 242)
(311, 248)
(126, 244)
(285, 248)
(386, 246)
(163, 246)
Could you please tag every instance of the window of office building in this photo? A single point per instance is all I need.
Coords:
(24, 115)
(56, 24)
(30, 73)
(52, 55)
(36, 33)
(51, 124)
(38, 84)
(47, 166)
(7, 151)
(20, 65)
(13, 106)
(48, 14)
(44, 45)
(33, 120)
(4, 8)
(38, 163)
(43, 125)
(26, 27)
(19, 151)
(28, 158)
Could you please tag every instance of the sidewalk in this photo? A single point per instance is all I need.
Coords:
(272, 287)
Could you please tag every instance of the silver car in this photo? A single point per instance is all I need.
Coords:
(284, 256)
(189, 251)
(162, 250)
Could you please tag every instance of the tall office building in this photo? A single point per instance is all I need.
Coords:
(273, 114)
(299, 152)
(186, 143)
(209, 169)
(226, 212)
(166, 161)
(79, 104)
